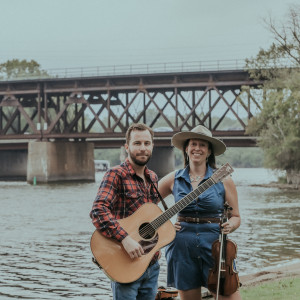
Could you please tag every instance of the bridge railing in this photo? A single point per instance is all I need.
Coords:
(135, 69)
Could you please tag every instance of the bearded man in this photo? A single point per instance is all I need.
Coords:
(123, 190)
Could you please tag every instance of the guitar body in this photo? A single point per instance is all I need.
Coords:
(113, 258)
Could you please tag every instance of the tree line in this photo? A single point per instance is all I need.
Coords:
(238, 157)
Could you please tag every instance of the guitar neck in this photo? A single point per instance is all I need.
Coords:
(181, 204)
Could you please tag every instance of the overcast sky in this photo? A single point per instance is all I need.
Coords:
(88, 33)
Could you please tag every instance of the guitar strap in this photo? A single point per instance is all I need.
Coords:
(160, 197)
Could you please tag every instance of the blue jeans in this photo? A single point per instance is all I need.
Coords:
(144, 288)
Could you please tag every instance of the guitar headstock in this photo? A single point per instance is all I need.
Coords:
(222, 172)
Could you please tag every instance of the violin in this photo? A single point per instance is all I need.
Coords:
(223, 278)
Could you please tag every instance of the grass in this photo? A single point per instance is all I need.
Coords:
(287, 288)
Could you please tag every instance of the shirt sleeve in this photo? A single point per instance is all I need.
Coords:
(102, 211)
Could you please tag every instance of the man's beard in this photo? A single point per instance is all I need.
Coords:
(137, 161)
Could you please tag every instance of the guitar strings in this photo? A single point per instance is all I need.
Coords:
(155, 224)
(160, 220)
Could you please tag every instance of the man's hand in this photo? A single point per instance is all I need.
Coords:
(133, 248)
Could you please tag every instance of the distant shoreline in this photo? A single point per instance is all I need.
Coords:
(283, 186)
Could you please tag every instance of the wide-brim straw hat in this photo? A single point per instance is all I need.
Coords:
(199, 132)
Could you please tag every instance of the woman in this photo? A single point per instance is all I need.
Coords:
(189, 256)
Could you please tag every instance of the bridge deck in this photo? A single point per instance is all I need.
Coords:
(101, 108)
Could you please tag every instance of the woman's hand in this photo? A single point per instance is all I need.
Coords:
(228, 227)
(177, 226)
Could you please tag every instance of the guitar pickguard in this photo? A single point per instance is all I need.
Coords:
(149, 245)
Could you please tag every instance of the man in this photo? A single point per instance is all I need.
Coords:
(123, 190)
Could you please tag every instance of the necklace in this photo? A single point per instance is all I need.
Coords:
(195, 179)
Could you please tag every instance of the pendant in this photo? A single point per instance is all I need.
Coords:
(197, 178)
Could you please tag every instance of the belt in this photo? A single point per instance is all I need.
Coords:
(198, 220)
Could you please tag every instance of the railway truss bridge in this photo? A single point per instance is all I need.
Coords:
(99, 109)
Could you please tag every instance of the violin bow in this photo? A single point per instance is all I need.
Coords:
(223, 219)
(219, 269)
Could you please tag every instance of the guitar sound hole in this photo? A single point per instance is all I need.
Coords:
(146, 231)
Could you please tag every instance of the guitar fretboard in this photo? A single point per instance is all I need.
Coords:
(181, 204)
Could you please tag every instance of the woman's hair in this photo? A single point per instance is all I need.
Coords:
(137, 126)
(211, 159)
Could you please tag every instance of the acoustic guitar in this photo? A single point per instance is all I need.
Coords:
(150, 227)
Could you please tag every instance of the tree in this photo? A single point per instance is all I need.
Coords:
(284, 51)
(16, 68)
(278, 123)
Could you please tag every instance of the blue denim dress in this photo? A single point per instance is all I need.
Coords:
(189, 256)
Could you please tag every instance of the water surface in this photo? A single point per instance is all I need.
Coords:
(46, 229)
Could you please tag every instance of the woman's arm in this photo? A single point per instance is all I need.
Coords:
(231, 198)
(165, 185)
(165, 188)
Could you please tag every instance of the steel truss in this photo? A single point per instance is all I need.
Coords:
(102, 108)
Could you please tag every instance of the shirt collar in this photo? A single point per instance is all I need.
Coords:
(132, 171)
(129, 166)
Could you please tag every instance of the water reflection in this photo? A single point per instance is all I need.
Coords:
(270, 230)
(45, 234)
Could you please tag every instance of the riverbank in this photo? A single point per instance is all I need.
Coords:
(269, 274)
(265, 276)
(282, 186)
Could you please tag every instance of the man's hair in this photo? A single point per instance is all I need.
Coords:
(137, 126)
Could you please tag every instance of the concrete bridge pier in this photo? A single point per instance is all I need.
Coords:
(162, 161)
(60, 161)
(13, 164)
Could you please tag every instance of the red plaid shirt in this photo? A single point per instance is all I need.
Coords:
(120, 194)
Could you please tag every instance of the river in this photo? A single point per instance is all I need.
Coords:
(46, 229)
